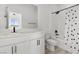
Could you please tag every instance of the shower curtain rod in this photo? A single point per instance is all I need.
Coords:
(64, 9)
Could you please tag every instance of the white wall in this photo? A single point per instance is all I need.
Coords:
(43, 17)
(2, 18)
(28, 11)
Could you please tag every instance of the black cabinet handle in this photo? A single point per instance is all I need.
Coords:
(38, 42)
(12, 49)
(15, 49)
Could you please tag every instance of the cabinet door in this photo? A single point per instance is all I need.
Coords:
(42, 45)
(6, 50)
(22, 48)
(37, 46)
(33, 47)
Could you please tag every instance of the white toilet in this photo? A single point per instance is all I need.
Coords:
(51, 44)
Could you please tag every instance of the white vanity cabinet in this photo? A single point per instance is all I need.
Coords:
(34, 46)
(18, 48)
(23, 45)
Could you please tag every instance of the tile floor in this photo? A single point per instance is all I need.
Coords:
(57, 51)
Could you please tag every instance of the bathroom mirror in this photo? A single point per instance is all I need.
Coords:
(14, 20)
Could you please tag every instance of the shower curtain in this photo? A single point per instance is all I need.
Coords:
(71, 36)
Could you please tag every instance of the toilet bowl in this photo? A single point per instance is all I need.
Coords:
(51, 44)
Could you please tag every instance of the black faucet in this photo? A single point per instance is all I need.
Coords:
(14, 30)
